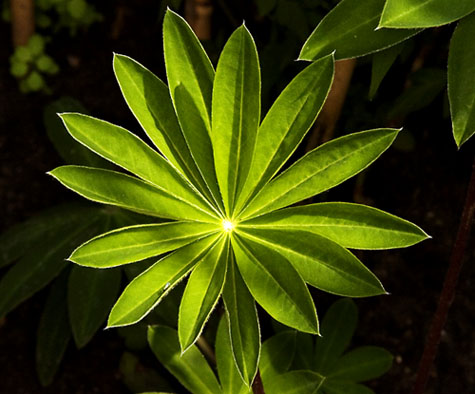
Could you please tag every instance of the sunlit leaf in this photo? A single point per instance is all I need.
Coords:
(428, 13)
(349, 29)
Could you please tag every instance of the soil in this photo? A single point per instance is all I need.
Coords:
(425, 184)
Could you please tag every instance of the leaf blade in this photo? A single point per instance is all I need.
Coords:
(148, 288)
(136, 243)
(321, 169)
(349, 28)
(461, 78)
(235, 112)
(404, 14)
(243, 323)
(271, 279)
(190, 368)
(320, 262)
(286, 124)
(190, 80)
(202, 293)
(353, 226)
(114, 188)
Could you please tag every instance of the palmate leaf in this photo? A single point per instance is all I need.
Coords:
(219, 181)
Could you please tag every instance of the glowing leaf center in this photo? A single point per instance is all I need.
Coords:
(228, 226)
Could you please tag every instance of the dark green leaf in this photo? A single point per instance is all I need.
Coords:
(190, 368)
(382, 62)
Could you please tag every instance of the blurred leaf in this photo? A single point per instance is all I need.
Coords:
(25, 236)
(42, 264)
(54, 333)
(361, 364)
(338, 326)
(138, 378)
(91, 294)
(341, 387)
(190, 368)
(382, 62)
(426, 84)
(295, 382)
(461, 80)
(70, 150)
(277, 355)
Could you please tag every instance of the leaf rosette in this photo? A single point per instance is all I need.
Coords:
(215, 172)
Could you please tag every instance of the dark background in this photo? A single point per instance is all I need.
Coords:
(423, 178)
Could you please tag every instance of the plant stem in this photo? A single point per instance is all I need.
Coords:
(448, 291)
(23, 21)
(257, 387)
(198, 15)
(206, 349)
(325, 124)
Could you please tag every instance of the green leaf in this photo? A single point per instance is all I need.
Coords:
(363, 363)
(382, 62)
(352, 226)
(235, 113)
(147, 289)
(321, 169)
(461, 79)
(349, 29)
(320, 262)
(276, 285)
(229, 375)
(54, 333)
(425, 85)
(295, 382)
(25, 236)
(69, 150)
(128, 151)
(91, 294)
(114, 188)
(408, 14)
(190, 368)
(277, 355)
(338, 327)
(286, 124)
(341, 387)
(190, 80)
(304, 350)
(40, 266)
(202, 293)
(243, 323)
(135, 243)
(149, 99)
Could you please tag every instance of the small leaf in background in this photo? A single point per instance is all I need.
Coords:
(342, 387)
(264, 7)
(70, 150)
(190, 368)
(277, 354)
(361, 364)
(338, 327)
(54, 333)
(382, 62)
(138, 377)
(91, 294)
(349, 29)
(41, 265)
(229, 375)
(295, 382)
(408, 14)
(426, 85)
(461, 80)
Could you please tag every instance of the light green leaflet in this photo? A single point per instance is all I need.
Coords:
(423, 13)
(218, 181)
(349, 30)
(461, 80)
